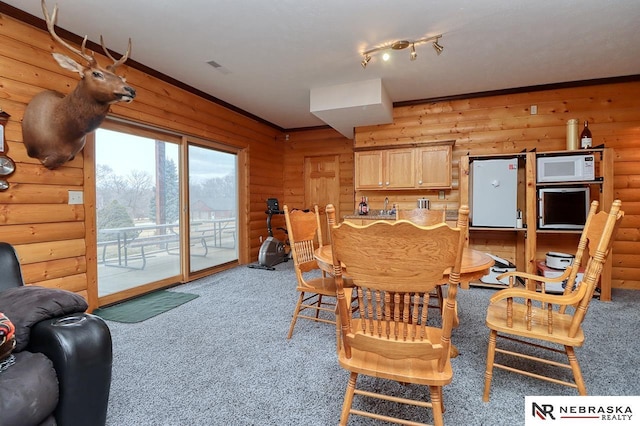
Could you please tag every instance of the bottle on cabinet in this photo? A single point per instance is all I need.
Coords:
(585, 137)
(363, 207)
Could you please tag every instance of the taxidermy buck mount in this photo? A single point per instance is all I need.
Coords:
(54, 126)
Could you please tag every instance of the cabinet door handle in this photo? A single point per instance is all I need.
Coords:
(387, 183)
(379, 183)
(419, 182)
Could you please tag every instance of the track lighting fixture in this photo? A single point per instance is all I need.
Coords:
(402, 44)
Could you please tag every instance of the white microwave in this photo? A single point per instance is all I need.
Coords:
(566, 168)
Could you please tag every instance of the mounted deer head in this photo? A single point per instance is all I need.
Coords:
(54, 126)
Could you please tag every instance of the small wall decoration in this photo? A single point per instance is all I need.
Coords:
(54, 125)
(7, 166)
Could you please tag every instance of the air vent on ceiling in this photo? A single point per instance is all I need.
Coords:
(219, 67)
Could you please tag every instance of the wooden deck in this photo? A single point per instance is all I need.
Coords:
(159, 265)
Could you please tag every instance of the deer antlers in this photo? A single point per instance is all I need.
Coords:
(51, 21)
(119, 61)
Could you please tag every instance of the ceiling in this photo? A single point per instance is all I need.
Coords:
(272, 54)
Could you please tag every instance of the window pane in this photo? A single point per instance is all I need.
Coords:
(213, 207)
(137, 202)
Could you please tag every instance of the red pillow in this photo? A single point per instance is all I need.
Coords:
(7, 340)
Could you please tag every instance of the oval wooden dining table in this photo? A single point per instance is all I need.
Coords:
(475, 264)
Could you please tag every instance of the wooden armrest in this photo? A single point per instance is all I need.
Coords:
(556, 299)
(538, 278)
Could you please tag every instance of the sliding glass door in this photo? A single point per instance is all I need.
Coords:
(154, 230)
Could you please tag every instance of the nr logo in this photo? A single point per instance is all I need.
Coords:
(543, 411)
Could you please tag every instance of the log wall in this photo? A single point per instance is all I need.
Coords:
(494, 125)
(315, 143)
(504, 124)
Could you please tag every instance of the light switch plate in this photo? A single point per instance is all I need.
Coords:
(75, 197)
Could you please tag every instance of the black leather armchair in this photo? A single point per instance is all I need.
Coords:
(61, 369)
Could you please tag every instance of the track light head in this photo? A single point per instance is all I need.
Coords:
(414, 55)
(438, 48)
(365, 61)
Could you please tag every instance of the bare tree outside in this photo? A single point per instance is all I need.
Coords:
(133, 191)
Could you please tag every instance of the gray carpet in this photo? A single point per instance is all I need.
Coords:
(223, 359)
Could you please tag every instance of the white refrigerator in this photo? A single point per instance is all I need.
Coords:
(494, 192)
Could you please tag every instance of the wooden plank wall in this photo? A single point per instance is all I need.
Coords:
(314, 143)
(48, 233)
(504, 124)
(500, 124)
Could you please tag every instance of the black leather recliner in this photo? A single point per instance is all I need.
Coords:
(60, 372)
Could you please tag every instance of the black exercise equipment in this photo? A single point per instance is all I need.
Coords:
(272, 251)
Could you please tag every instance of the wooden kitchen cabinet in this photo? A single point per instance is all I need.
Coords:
(424, 167)
(385, 169)
(434, 167)
(368, 167)
(400, 169)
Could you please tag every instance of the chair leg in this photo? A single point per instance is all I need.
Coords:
(491, 353)
(575, 367)
(437, 405)
(338, 340)
(348, 399)
(295, 314)
(440, 298)
(319, 305)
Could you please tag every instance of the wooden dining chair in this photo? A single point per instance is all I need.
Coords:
(550, 323)
(426, 217)
(423, 217)
(322, 227)
(317, 293)
(394, 266)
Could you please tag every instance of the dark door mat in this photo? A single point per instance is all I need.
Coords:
(144, 307)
